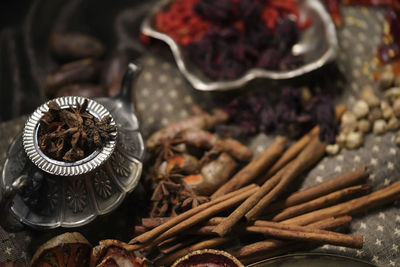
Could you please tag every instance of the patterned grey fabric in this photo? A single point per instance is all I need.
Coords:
(164, 96)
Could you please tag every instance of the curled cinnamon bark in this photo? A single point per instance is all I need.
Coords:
(150, 235)
(253, 169)
(354, 206)
(344, 180)
(321, 202)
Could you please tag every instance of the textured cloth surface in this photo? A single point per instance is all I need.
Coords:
(164, 96)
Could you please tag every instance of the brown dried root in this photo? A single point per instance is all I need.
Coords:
(199, 121)
(204, 139)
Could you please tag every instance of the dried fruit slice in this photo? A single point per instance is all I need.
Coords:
(208, 258)
(114, 253)
(10, 264)
(66, 250)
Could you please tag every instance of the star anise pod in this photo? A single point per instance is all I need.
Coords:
(164, 189)
(190, 199)
(72, 133)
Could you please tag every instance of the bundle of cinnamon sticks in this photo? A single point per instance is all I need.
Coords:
(255, 217)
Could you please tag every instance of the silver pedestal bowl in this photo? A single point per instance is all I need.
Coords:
(44, 193)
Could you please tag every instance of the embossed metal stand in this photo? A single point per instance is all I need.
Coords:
(45, 194)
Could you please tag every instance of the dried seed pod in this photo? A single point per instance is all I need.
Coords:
(348, 122)
(364, 125)
(375, 114)
(393, 124)
(213, 174)
(360, 109)
(354, 140)
(82, 71)
(387, 110)
(332, 149)
(84, 90)
(379, 127)
(368, 95)
(396, 107)
(397, 139)
(393, 94)
(75, 45)
(341, 139)
(397, 81)
(113, 71)
(386, 79)
(69, 249)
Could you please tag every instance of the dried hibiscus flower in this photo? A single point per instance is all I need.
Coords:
(225, 38)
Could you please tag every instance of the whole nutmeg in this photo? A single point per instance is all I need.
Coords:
(387, 110)
(360, 109)
(364, 125)
(386, 79)
(397, 139)
(375, 114)
(397, 81)
(368, 95)
(341, 139)
(393, 94)
(332, 149)
(354, 140)
(348, 122)
(393, 124)
(379, 127)
(396, 107)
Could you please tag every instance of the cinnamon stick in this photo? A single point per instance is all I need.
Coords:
(289, 154)
(226, 225)
(354, 206)
(146, 237)
(270, 244)
(297, 147)
(154, 222)
(253, 169)
(339, 182)
(176, 243)
(204, 215)
(209, 243)
(321, 202)
(289, 247)
(313, 152)
(302, 233)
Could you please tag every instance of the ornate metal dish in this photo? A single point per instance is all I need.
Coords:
(44, 193)
(318, 44)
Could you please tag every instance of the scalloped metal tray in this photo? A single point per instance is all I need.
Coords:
(318, 44)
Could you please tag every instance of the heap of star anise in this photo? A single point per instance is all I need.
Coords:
(71, 134)
(172, 196)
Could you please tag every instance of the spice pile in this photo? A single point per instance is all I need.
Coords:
(190, 162)
(371, 113)
(71, 134)
(225, 38)
(265, 223)
(293, 110)
(82, 73)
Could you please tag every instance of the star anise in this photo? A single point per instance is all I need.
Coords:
(189, 199)
(72, 133)
(168, 148)
(164, 196)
